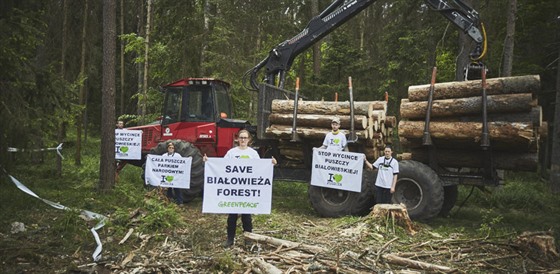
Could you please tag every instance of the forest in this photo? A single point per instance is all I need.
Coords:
(53, 91)
(52, 55)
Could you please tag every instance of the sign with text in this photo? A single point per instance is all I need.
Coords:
(167, 171)
(337, 169)
(128, 144)
(238, 186)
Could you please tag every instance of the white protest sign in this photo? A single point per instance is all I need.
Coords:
(166, 171)
(128, 144)
(237, 186)
(337, 169)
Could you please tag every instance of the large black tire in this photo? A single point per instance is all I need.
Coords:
(329, 202)
(420, 189)
(450, 195)
(187, 149)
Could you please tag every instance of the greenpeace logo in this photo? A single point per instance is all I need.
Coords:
(238, 204)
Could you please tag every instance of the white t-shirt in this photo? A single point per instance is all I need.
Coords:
(335, 141)
(174, 155)
(387, 168)
(238, 153)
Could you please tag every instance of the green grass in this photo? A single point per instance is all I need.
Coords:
(523, 203)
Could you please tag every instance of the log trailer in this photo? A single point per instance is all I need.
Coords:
(197, 117)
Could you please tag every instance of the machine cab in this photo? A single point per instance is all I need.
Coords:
(196, 100)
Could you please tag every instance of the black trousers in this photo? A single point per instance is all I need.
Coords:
(382, 195)
(246, 219)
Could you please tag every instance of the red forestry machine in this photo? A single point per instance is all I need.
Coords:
(198, 117)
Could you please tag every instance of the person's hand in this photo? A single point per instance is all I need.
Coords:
(392, 190)
(365, 158)
(204, 158)
(274, 162)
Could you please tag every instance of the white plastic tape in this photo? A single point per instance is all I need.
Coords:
(88, 215)
(58, 149)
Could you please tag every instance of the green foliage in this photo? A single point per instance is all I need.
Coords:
(225, 263)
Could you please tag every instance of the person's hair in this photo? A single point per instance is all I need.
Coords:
(170, 144)
(388, 147)
(245, 131)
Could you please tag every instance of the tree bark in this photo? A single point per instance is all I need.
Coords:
(82, 76)
(285, 132)
(506, 103)
(534, 117)
(122, 110)
(107, 162)
(495, 86)
(510, 34)
(516, 136)
(146, 62)
(316, 46)
(312, 120)
(555, 154)
(328, 107)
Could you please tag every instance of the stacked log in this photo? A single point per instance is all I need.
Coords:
(514, 122)
(313, 122)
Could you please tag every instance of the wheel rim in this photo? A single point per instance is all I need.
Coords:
(409, 193)
(334, 196)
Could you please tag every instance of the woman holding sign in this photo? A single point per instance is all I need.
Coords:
(173, 193)
(388, 170)
(242, 151)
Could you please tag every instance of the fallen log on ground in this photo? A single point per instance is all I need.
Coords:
(394, 259)
(279, 242)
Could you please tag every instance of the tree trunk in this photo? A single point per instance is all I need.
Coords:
(328, 107)
(146, 62)
(312, 120)
(205, 34)
(122, 110)
(507, 103)
(494, 86)
(510, 34)
(61, 134)
(515, 136)
(139, 79)
(534, 117)
(80, 118)
(317, 45)
(107, 162)
(555, 154)
(285, 132)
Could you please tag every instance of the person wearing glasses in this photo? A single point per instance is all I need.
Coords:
(388, 171)
(242, 151)
(335, 140)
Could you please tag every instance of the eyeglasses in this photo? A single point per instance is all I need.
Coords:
(243, 138)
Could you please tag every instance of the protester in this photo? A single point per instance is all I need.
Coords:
(242, 151)
(335, 140)
(388, 171)
(120, 124)
(173, 193)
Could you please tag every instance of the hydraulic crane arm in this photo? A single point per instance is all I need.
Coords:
(463, 16)
(280, 58)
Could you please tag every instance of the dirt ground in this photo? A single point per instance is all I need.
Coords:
(283, 242)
